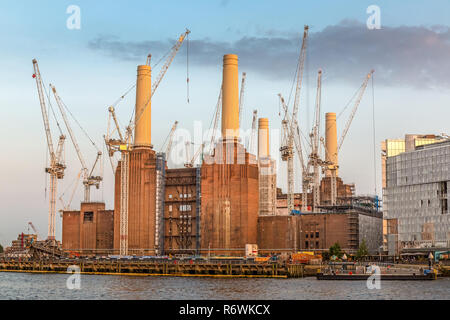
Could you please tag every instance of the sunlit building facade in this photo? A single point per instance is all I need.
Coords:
(416, 195)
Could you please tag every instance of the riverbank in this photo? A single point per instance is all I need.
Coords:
(185, 269)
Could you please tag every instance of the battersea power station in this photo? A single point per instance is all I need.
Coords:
(228, 202)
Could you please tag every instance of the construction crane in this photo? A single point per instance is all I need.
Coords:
(333, 166)
(252, 138)
(290, 127)
(170, 140)
(88, 178)
(289, 153)
(191, 161)
(314, 157)
(241, 97)
(66, 207)
(173, 52)
(216, 119)
(57, 165)
(30, 224)
(124, 145)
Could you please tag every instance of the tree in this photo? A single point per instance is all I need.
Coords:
(335, 250)
(1, 248)
(362, 250)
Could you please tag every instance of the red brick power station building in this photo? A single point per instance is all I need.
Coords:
(216, 208)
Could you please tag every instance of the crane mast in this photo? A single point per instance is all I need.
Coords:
(57, 166)
(290, 127)
(315, 160)
(251, 143)
(241, 97)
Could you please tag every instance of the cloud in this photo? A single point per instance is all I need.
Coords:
(411, 56)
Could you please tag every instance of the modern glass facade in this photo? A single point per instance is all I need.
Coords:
(416, 195)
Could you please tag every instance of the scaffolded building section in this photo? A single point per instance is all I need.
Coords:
(267, 171)
(181, 211)
(416, 195)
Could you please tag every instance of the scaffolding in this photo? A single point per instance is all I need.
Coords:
(160, 192)
(267, 187)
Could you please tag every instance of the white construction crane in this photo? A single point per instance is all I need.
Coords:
(333, 166)
(241, 97)
(66, 207)
(290, 127)
(173, 52)
(314, 157)
(30, 224)
(124, 145)
(191, 161)
(57, 165)
(216, 119)
(251, 142)
(286, 131)
(170, 140)
(88, 178)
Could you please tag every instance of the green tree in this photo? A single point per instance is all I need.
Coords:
(335, 250)
(362, 250)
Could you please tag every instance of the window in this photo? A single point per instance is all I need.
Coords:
(170, 196)
(306, 244)
(317, 244)
(185, 207)
(170, 208)
(88, 216)
(317, 234)
(312, 235)
(306, 236)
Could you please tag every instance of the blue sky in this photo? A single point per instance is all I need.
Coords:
(93, 66)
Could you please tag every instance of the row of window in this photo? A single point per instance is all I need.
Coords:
(183, 208)
(311, 235)
(182, 196)
(310, 245)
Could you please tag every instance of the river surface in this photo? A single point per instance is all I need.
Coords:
(53, 286)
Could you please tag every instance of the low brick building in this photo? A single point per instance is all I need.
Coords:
(91, 229)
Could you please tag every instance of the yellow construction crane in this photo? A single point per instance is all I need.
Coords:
(57, 165)
(290, 128)
(88, 178)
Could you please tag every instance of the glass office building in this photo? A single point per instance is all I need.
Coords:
(415, 195)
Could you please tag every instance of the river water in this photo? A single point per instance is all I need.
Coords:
(53, 286)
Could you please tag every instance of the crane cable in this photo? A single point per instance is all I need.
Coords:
(187, 66)
(79, 125)
(374, 142)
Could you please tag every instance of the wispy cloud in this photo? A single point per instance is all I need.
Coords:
(413, 56)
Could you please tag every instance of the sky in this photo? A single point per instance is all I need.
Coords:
(95, 65)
